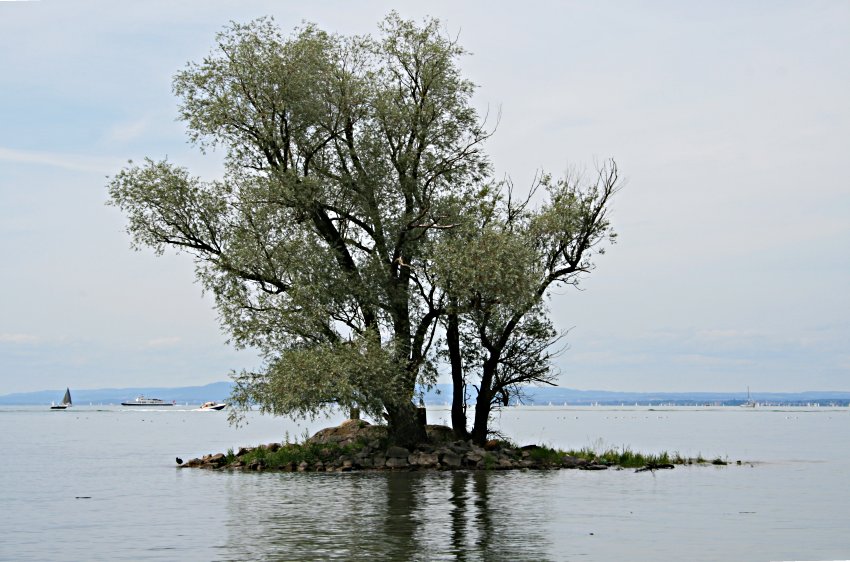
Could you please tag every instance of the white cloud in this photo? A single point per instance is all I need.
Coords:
(73, 162)
(18, 338)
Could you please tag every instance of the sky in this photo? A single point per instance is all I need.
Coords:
(729, 122)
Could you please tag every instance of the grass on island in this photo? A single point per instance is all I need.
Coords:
(296, 453)
(625, 457)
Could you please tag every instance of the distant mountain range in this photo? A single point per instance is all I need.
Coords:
(441, 394)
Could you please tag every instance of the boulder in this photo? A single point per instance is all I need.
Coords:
(572, 462)
(439, 433)
(451, 459)
(423, 459)
(396, 462)
(472, 458)
(350, 431)
(460, 447)
(397, 453)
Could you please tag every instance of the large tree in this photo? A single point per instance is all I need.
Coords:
(341, 154)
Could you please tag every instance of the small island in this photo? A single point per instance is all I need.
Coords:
(357, 445)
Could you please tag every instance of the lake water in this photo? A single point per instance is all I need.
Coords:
(100, 483)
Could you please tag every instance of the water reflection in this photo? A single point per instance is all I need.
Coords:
(386, 516)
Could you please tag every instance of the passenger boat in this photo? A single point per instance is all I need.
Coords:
(211, 406)
(142, 401)
(66, 401)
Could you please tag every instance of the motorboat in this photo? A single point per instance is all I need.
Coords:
(142, 401)
(212, 406)
(66, 401)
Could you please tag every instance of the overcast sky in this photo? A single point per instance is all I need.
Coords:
(730, 122)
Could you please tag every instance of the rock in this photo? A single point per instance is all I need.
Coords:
(451, 459)
(396, 462)
(379, 460)
(593, 467)
(215, 460)
(303, 466)
(423, 459)
(472, 459)
(273, 447)
(350, 431)
(243, 451)
(397, 453)
(460, 447)
(571, 462)
(439, 433)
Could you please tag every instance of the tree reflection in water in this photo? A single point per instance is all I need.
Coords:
(384, 516)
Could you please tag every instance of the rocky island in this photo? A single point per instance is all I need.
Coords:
(357, 445)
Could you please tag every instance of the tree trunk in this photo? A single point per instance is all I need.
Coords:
(483, 403)
(403, 425)
(458, 382)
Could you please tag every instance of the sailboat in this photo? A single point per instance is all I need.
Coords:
(750, 403)
(66, 401)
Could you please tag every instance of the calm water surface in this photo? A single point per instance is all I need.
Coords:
(99, 483)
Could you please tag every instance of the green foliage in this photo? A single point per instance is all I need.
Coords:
(291, 454)
(546, 455)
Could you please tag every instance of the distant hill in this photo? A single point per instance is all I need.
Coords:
(441, 394)
(559, 395)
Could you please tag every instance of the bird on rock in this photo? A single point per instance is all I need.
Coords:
(179, 460)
